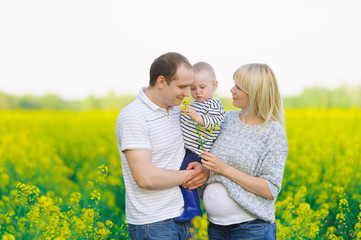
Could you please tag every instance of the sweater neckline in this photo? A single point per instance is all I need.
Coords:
(245, 124)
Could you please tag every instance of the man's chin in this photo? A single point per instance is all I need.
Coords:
(179, 101)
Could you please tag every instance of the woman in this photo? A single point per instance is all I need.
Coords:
(247, 160)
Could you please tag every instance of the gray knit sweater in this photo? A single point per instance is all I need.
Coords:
(260, 154)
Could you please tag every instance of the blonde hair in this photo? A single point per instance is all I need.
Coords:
(260, 83)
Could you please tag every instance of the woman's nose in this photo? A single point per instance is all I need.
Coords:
(232, 90)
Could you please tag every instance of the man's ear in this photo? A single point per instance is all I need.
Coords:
(215, 85)
(161, 81)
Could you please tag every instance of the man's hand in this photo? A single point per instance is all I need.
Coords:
(197, 178)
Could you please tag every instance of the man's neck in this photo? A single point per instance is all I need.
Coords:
(154, 96)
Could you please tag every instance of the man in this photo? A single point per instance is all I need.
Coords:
(151, 147)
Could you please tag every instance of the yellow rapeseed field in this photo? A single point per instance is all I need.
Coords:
(61, 178)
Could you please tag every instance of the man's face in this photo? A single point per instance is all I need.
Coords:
(178, 89)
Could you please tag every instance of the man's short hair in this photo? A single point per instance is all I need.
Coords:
(166, 65)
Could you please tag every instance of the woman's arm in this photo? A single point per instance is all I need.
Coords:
(252, 184)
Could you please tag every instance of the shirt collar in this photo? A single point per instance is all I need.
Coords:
(143, 97)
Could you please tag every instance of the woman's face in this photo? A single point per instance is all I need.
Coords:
(240, 98)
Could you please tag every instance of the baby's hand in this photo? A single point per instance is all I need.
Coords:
(191, 112)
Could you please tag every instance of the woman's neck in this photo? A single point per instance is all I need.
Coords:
(253, 119)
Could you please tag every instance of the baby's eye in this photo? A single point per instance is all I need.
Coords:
(202, 87)
(192, 88)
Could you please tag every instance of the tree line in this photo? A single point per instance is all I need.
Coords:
(317, 97)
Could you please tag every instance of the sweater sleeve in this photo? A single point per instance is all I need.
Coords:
(272, 170)
(274, 161)
(215, 114)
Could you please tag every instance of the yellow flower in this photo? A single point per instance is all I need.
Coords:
(332, 236)
(8, 237)
(75, 198)
(109, 223)
(95, 194)
(185, 103)
(27, 192)
(103, 170)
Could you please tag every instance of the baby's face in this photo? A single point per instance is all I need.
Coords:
(203, 86)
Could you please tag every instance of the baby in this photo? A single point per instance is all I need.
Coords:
(207, 112)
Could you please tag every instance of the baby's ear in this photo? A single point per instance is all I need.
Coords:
(215, 85)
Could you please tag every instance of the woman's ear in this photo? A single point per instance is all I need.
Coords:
(215, 85)
(161, 81)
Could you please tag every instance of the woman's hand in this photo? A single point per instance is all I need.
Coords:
(213, 163)
(252, 184)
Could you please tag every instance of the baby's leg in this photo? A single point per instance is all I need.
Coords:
(191, 201)
(188, 158)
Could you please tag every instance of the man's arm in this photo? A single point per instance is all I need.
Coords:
(149, 177)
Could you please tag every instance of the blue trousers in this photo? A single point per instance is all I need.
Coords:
(188, 158)
(256, 229)
(162, 230)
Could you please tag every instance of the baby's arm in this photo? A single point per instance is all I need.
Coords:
(216, 114)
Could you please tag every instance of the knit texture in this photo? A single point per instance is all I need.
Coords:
(259, 151)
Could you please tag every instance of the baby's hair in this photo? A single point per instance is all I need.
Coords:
(203, 66)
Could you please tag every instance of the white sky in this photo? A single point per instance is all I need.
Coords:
(75, 48)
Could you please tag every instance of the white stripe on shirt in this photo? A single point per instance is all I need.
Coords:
(212, 112)
(144, 125)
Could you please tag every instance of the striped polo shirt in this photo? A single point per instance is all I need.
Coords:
(144, 125)
(212, 112)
